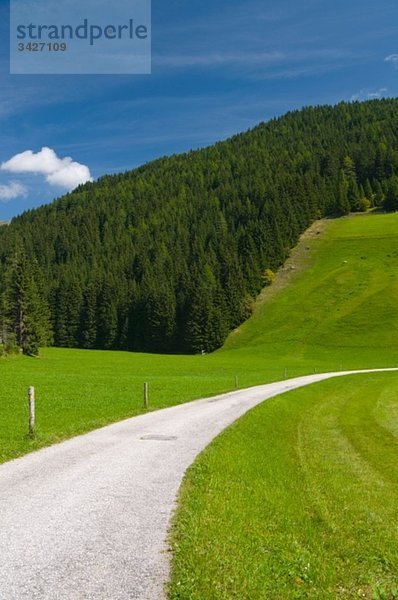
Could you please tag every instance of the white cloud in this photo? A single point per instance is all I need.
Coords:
(216, 59)
(265, 65)
(11, 191)
(393, 59)
(70, 176)
(63, 172)
(378, 94)
(369, 95)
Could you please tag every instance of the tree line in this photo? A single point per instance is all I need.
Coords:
(169, 257)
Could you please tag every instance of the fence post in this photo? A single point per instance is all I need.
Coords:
(236, 382)
(146, 395)
(31, 401)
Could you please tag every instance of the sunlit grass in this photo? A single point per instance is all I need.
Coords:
(299, 499)
(333, 307)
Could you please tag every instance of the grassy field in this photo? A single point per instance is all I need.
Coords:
(80, 390)
(335, 302)
(333, 306)
(299, 499)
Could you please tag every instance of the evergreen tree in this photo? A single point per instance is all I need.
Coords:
(107, 319)
(88, 323)
(379, 193)
(27, 314)
(391, 201)
(368, 193)
(343, 203)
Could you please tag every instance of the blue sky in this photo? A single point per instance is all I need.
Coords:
(219, 67)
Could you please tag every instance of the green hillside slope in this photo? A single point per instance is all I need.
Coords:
(168, 257)
(298, 499)
(335, 301)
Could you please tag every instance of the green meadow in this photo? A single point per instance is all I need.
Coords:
(298, 499)
(332, 307)
(335, 302)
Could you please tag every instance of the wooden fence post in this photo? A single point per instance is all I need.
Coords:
(31, 400)
(146, 395)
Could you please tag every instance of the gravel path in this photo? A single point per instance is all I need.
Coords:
(88, 518)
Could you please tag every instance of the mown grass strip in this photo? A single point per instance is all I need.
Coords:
(296, 500)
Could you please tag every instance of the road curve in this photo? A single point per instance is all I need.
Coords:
(88, 518)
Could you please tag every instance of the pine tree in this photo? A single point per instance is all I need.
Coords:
(88, 324)
(369, 194)
(391, 201)
(67, 301)
(343, 203)
(26, 311)
(379, 193)
(349, 169)
(107, 320)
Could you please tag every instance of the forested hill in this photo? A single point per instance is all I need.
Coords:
(168, 257)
